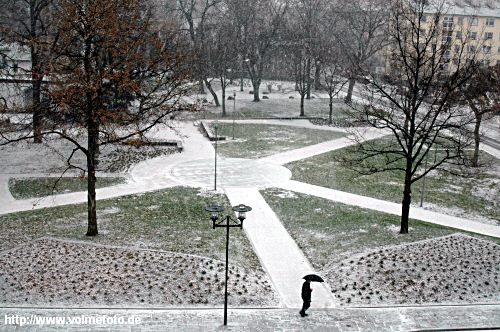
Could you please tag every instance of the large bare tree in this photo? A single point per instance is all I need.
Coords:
(200, 16)
(360, 33)
(261, 34)
(114, 79)
(415, 103)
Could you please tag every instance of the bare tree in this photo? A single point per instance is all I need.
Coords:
(113, 78)
(27, 24)
(222, 54)
(482, 95)
(261, 35)
(199, 16)
(360, 32)
(415, 103)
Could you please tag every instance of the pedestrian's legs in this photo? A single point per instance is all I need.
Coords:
(305, 306)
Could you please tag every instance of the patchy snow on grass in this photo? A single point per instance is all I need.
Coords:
(285, 194)
(455, 211)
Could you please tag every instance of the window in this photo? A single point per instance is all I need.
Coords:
(446, 39)
(498, 50)
(485, 62)
(486, 49)
(424, 18)
(15, 67)
(472, 35)
(471, 48)
(448, 23)
(459, 34)
(456, 61)
(3, 61)
(460, 20)
(457, 48)
(488, 35)
(473, 21)
(490, 22)
(422, 32)
(498, 62)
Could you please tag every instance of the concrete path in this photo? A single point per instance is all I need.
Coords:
(316, 149)
(279, 254)
(392, 208)
(388, 319)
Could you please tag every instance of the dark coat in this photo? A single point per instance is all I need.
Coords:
(306, 291)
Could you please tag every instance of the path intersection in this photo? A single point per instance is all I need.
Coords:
(241, 179)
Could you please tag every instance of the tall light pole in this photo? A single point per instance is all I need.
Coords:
(229, 222)
(216, 126)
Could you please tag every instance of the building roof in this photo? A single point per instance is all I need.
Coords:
(485, 8)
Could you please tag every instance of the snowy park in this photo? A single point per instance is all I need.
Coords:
(156, 248)
(267, 165)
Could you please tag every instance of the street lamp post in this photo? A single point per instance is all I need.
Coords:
(216, 126)
(234, 109)
(227, 222)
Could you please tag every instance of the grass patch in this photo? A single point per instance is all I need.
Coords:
(22, 188)
(174, 220)
(476, 194)
(282, 107)
(328, 232)
(257, 140)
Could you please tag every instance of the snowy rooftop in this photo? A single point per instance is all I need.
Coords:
(489, 8)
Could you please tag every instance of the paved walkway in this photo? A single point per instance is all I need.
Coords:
(392, 208)
(316, 149)
(440, 318)
(279, 254)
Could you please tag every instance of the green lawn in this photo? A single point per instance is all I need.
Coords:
(329, 232)
(22, 188)
(172, 220)
(258, 140)
(476, 194)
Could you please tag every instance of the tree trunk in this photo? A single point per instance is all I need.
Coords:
(212, 92)
(308, 78)
(330, 117)
(317, 78)
(477, 139)
(201, 87)
(37, 109)
(348, 97)
(256, 87)
(91, 158)
(405, 211)
(302, 104)
(223, 98)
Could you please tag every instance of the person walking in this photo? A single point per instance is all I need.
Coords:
(306, 297)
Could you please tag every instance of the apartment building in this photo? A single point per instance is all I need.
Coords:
(476, 23)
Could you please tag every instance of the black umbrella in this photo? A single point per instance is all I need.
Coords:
(313, 277)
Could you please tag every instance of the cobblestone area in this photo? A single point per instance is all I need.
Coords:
(444, 318)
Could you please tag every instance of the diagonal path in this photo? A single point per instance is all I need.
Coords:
(316, 149)
(279, 254)
(392, 208)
